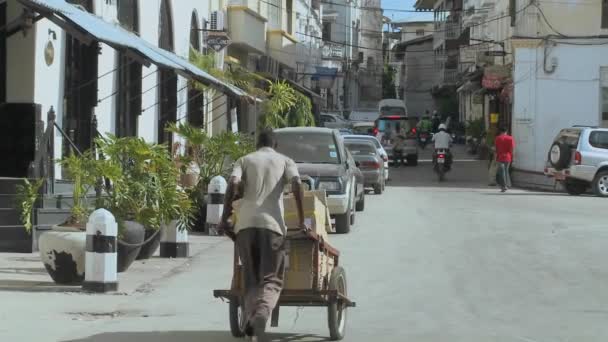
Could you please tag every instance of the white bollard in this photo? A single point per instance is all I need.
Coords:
(100, 258)
(173, 242)
(215, 204)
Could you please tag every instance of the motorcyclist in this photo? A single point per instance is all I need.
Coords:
(435, 122)
(443, 141)
(398, 149)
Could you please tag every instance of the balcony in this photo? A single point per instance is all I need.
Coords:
(332, 51)
(450, 76)
(247, 28)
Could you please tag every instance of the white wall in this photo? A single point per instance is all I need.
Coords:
(545, 103)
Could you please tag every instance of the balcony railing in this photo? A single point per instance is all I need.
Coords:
(332, 50)
(450, 76)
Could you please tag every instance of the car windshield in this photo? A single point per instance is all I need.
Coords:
(371, 139)
(389, 125)
(388, 110)
(360, 148)
(308, 147)
(363, 129)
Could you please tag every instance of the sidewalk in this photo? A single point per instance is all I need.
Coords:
(26, 273)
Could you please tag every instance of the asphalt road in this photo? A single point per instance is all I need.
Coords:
(426, 262)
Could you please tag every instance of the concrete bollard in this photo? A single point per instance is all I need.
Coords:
(173, 242)
(215, 204)
(100, 257)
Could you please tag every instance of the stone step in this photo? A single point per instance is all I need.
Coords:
(9, 217)
(14, 239)
(51, 216)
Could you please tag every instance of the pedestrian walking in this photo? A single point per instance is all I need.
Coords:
(258, 180)
(505, 145)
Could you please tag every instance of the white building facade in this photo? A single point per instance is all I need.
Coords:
(560, 75)
(53, 63)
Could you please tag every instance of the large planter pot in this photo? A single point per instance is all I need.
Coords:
(62, 251)
(150, 247)
(129, 244)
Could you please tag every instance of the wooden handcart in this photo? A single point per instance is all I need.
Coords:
(328, 289)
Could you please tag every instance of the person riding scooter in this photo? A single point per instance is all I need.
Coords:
(443, 141)
(424, 130)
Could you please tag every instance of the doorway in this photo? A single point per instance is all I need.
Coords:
(167, 79)
(129, 75)
(80, 89)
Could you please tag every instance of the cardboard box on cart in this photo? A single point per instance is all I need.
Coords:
(301, 255)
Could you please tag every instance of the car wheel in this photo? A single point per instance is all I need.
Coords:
(360, 206)
(574, 187)
(413, 161)
(377, 189)
(343, 223)
(560, 155)
(600, 184)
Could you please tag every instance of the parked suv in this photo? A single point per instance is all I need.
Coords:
(579, 158)
(320, 154)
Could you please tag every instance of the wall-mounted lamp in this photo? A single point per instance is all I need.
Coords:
(49, 50)
(53, 34)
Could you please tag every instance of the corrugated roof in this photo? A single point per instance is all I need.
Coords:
(70, 17)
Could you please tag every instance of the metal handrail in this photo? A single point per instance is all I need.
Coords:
(68, 139)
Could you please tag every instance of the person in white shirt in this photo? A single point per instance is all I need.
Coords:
(443, 141)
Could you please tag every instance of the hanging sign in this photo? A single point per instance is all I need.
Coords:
(218, 40)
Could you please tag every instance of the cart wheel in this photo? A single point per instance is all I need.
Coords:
(237, 319)
(336, 311)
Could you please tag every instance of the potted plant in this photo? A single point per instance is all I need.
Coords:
(210, 156)
(62, 249)
(141, 190)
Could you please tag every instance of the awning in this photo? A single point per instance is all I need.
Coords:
(304, 90)
(468, 87)
(88, 27)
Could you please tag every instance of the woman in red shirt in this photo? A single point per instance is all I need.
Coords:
(504, 156)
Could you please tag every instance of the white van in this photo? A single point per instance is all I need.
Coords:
(392, 107)
(365, 115)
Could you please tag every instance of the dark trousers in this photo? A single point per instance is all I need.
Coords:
(262, 254)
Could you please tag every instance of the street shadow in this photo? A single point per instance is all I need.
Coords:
(8, 285)
(543, 194)
(189, 336)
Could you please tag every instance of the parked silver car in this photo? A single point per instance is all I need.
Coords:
(579, 158)
(369, 162)
(334, 121)
(379, 147)
(320, 154)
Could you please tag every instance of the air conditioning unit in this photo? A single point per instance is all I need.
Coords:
(216, 21)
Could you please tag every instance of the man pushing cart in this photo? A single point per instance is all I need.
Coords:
(263, 239)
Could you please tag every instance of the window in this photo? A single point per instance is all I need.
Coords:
(599, 139)
(605, 14)
(289, 13)
(604, 90)
(326, 31)
(2, 54)
(420, 32)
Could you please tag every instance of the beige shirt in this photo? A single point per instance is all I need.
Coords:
(264, 174)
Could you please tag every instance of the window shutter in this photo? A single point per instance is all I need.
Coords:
(205, 26)
(214, 21)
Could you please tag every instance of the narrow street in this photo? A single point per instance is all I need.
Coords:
(425, 262)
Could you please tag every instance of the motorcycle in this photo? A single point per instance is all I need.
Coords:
(423, 139)
(398, 158)
(441, 164)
